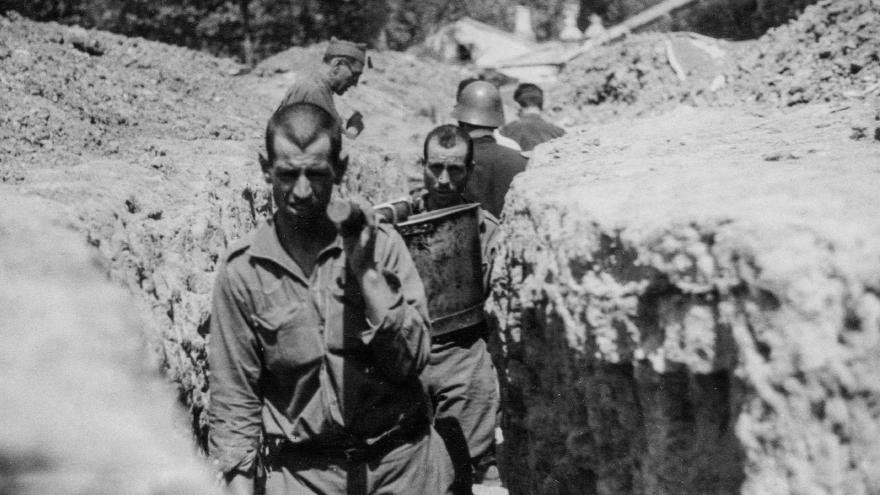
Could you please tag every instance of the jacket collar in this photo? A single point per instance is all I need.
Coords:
(267, 246)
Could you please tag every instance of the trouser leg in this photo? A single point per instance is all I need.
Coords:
(419, 468)
(463, 387)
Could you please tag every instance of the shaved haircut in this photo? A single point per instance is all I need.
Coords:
(449, 136)
(302, 124)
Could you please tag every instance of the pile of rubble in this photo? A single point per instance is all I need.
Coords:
(643, 73)
(830, 53)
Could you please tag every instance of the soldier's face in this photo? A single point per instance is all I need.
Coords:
(302, 179)
(346, 75)
(446, 173)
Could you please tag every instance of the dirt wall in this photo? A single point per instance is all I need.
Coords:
(695, 311)
(85, 409)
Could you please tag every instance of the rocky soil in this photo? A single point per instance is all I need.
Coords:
(830, 53)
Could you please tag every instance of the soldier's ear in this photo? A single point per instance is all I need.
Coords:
(265, 166)
(340, 169)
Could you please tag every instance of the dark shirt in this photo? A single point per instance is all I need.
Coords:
(312, 88)
(494, 168)
(531, 130)
(294, 356)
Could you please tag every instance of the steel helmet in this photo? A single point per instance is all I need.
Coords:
(480, 104)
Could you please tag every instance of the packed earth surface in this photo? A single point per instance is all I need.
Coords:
(688, 298)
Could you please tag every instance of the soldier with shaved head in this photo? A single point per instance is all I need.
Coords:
(460, 377)
(318, 337)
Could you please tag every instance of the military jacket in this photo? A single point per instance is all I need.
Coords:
(293, 356)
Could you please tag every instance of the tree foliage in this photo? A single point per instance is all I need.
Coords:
(249, 29)
(245, 29)
(734, 19)
(253, 29)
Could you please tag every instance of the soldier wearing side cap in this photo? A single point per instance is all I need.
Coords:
(344, 62)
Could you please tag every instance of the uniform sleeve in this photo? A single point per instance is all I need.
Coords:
(234, 410)
(490, 236)
(401, 343)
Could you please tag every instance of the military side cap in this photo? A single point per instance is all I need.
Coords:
(350, 49)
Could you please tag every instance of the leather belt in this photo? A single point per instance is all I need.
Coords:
(278, 448)
(471, 333)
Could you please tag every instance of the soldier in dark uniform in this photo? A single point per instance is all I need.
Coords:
(479, 112)
(460, 377)
(318, 340)
(531, 129)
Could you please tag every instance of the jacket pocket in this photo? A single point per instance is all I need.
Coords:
(289, 332)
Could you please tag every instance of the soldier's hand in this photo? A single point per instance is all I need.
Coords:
(355, 220)
(356, 122)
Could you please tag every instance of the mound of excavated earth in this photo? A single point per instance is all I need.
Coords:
(828, 54)
(84, 409)
(690, 304)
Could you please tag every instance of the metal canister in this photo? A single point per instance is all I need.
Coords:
(445, 246)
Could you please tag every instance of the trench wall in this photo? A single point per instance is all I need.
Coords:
(694, 310)
(84, 408)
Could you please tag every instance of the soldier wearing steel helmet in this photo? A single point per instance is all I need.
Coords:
(499, 138)
(479, 112)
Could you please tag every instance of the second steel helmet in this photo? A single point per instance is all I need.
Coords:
(480, 104)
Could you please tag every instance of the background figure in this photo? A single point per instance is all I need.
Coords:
(479, 113)
(531, 129)
(502, 140)
(460, 377)
(344, 63)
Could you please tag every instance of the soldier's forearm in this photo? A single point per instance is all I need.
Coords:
(378, 296)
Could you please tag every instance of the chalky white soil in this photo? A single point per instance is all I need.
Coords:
(689, 304)
(85, 409)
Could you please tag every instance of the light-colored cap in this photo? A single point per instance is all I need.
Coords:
(350, 49)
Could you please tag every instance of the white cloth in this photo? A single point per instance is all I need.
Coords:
(505, 141)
